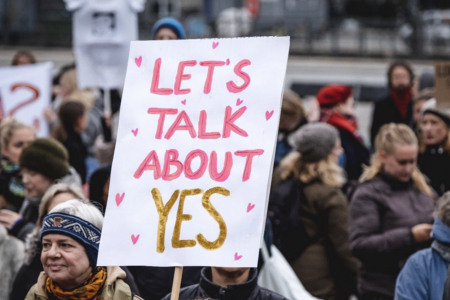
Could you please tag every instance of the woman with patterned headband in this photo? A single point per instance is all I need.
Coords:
(70, 239)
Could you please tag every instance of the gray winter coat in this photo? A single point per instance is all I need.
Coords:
(382, 213)
(11, 258)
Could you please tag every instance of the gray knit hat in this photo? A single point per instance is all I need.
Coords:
(430, 107)
(315, 141)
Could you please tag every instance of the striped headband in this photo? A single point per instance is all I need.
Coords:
(84, 232)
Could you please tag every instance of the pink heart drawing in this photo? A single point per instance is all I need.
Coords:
(183, 102)
(228, 61)
(135, 131)
(215, 44)
(134, 239)
(138, 61)
(269, 115)
(237, 257)
(250, 207)
(119, 198)
(239, 102)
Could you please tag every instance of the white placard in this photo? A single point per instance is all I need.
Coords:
(188, 106)
(25, 92)
(102, 31)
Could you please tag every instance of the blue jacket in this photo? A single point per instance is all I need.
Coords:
(423, 276)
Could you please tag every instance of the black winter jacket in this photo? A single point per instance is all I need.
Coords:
(435, 164)
(156, 282)
(356, 154)
(386, 112)
(77, 153)
(207, 289)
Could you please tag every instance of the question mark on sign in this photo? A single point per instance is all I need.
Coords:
(34, 97)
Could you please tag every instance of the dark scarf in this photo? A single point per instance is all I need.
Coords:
(443, 250)
(401, 101)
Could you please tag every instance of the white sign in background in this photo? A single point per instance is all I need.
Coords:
(237, 119)
(25, 92)
(102, 32)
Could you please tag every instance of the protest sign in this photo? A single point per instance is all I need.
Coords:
(194, 153)
(442, 84)
(102, 32)
(25, 92)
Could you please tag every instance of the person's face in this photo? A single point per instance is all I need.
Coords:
(434, 130)
(231, 272)
(35, 183)
(60, 198)
(401, 163)
(347, 107)
(83, 122)
(166, 34)
(64, 89)
(64, 260)
(400, 79)
(23, 60)
(416, 111)
(20, 139)
(337, 151)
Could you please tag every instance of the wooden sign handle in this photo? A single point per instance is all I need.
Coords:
(176, 283)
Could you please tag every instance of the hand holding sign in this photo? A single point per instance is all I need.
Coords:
(196, 178)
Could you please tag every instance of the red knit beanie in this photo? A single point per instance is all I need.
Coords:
(332, 95)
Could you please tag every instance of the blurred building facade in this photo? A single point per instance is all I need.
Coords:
(380, 28)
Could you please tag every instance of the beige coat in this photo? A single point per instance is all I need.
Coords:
(115, 288)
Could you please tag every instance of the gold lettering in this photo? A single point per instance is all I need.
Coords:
(163, 212)
(176, 242)
(215, 214)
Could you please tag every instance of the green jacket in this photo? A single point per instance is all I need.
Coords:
(115, 288)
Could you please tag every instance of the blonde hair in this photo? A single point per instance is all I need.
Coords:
(326, 170)
(390, 136)
(52, 192)
(69, 82)
(7, 128)
(47, 199)
(84, 97)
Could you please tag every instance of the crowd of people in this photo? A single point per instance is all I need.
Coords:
(353, 217)
(373, 217)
